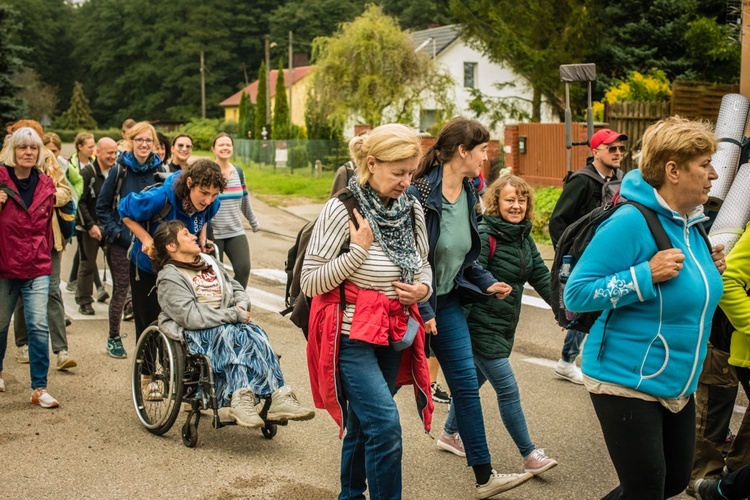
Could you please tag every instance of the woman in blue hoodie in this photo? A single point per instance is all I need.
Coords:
(133, 172)
(188, 196)
(644, 355)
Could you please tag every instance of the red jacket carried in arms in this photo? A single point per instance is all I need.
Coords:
(376, 320)
(26, 232)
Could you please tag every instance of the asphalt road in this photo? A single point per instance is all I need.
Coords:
(93, 445)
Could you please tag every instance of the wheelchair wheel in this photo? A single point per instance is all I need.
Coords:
(269, 430)
(158, 366)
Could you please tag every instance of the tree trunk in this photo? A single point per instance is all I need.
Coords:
(536, 105)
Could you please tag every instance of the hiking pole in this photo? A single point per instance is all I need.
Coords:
(576, 73)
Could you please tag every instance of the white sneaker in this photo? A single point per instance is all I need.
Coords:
(2, 383)
(569, 371)
(22, 355)
(41, 397)
(152, 391)
(284, 406)
(501, 482)
(64, 361)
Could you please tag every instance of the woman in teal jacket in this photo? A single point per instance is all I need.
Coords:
(641, 363)
(510, 254)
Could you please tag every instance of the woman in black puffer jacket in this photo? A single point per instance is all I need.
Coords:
(510, 254)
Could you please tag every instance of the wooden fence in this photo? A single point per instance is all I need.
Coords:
(633, 118)
(699, 100)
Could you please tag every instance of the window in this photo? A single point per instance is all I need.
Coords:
(427, 118)
(470, 75)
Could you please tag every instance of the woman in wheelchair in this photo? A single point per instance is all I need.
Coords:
(204, 306)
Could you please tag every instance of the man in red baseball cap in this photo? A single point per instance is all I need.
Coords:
(583, 191)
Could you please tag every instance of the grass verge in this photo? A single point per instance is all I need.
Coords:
(281, 188)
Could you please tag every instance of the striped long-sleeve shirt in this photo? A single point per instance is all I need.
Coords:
(324, 269)
(235, 201)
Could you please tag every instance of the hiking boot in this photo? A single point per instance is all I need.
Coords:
(439, 395)
(243, 409)
(64, 361)
(86, 310)
(284, 406)
(451, 443)
(22, 355)
(102, 295)
(569, 371)
(151, 391)
(538, 462)
(127, 314)
(115, 348)
(41, 397)
(501, 482)
(71, 286)
(707, 489)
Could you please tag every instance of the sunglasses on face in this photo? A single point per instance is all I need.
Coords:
(615, 149)
(183, 146)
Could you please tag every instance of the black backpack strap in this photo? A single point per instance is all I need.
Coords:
(704, 235)
(654, 225)
(120, 175)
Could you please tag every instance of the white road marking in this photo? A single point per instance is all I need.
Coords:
(278, 275)
(265, 300)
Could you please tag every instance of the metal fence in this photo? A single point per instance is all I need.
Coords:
(293, 154)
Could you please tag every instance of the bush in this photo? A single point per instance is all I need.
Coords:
(230, 128)
(202, 131)
(298, 158)
(545, 200)
(70, 135)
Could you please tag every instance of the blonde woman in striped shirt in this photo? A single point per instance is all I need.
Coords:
(228, 231)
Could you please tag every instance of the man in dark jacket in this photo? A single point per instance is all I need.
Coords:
(91, 235)
(582, 193)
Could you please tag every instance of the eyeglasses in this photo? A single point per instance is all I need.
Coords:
(614, 149)
(143, 141)
(183, 146)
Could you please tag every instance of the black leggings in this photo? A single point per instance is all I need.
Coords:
(238, 252)
(145, 301)
(651, 448)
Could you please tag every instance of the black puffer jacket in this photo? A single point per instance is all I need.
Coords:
(516, 261)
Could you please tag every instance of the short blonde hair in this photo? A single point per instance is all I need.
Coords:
(491, 197)
(387, 143)
(138, 129)
(24, 136)
(674, 139)
(51, 137)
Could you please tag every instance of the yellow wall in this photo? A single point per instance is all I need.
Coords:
(232, 114)
(299, 103)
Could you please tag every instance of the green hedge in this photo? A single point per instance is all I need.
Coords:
(70, 135)
(545, 200)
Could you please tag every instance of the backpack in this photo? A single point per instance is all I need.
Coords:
(610, 189)
(574, 241)
(159, 178)
(297, 303)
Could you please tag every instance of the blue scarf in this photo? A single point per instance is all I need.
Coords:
(152, 162)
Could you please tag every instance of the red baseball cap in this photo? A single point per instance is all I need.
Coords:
(606, 136)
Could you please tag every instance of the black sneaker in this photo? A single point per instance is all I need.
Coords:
(707, 489)
(127, 314)
(439, 395)
(102, 295)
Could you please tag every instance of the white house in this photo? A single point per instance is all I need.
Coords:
(471, 69)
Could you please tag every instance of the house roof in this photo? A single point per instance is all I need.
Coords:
(252, 89)
(435, 40)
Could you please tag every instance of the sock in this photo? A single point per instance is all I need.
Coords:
(482, 473)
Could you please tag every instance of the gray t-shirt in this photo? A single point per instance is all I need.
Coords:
(453, 244)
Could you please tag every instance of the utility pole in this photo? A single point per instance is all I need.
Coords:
(203, 87)
(268, 83)
(291, 80)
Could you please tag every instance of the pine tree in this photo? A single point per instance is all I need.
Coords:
(281, 106)
(78, 116)
(11, 105)
(260, 104)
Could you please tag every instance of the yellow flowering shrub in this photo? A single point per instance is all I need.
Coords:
(653, 86)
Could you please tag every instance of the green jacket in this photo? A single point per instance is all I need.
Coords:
(736, 301)
(515, 262)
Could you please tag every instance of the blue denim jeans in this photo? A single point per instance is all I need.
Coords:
(572, 345)
(500, 375)
(452, 346)
(371, 452)
(34, 295)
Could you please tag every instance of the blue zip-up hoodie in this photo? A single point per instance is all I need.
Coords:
(137, 178)
(472, 279)
(143, 206)
(655, 341)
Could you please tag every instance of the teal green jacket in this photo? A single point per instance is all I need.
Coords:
(516, 261)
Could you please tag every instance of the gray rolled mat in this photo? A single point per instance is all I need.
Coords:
(725, 160)
(734, 213)
(730, 125)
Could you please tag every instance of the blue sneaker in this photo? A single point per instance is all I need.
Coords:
(115, 348)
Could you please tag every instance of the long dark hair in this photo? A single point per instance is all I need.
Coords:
(165, 234)
(203, 172)
(456, 132)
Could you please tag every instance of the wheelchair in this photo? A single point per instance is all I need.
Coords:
(165, 375)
